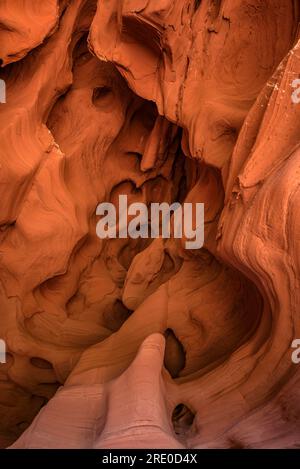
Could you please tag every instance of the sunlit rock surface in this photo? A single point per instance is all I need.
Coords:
(161, 100)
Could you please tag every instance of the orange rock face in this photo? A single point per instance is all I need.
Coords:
(151, 344)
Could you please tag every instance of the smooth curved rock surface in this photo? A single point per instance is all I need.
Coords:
(161, 100)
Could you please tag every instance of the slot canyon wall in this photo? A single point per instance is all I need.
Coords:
(164, 101)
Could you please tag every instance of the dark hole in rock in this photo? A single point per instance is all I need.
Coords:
(183, 419)
(174, 354)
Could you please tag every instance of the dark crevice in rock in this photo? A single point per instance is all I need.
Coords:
(174, 355)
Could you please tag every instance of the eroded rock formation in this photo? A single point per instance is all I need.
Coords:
(161, 100)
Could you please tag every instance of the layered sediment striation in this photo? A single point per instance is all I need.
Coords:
(163, 101)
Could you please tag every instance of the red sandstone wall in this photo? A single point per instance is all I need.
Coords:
(161, 100)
